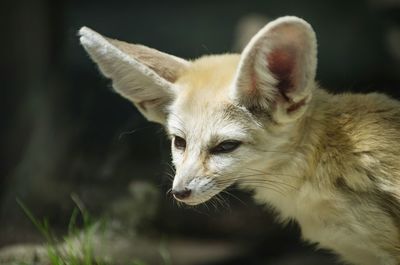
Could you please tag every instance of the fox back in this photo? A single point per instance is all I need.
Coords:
(259, 120)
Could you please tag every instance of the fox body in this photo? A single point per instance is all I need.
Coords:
(259, 120)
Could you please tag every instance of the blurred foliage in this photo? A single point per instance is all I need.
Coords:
(76, 246)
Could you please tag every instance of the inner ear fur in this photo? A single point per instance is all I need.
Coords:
(277, 69)
(165, 65)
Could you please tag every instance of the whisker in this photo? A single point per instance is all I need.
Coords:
(233, 196)
(264, 183)
(197, 208)
(214, 204)
(222, 201)
(171, 167)
(125, 133)
(205, 204)
(270, 174)
(269, 188)
(168, 192)
(259, 174)
(168, 176)
(248, 179)
(275, 151)
(170, 171)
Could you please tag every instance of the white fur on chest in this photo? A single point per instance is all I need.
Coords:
(327, 219)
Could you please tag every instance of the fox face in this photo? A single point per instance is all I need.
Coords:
(230, 117)
(212, 136)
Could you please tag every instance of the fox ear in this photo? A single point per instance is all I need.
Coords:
(143, 75)
(277, 69)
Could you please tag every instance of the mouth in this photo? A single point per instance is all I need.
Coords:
(195, 200)
(191, 203)
(195, 194)
(195, 197)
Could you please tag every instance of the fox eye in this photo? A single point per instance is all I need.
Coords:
(179, 143)
(225, 147)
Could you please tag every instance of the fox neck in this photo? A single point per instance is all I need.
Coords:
(293, 166)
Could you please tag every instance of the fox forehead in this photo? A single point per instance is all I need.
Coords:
(213, 125)
(202, 105)
(207, 79)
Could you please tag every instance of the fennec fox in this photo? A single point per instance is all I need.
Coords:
(259, 119)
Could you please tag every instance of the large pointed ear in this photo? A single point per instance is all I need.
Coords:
(277, 69)
(143, 75)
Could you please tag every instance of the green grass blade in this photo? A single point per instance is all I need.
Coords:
(43, 228)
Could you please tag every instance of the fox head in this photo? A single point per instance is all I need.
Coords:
(229, 116)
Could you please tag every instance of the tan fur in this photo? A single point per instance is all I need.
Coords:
(208, 79)
(329, 162)
(345, 152)
(164, 64)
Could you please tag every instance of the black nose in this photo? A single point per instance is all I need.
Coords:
(181, 194)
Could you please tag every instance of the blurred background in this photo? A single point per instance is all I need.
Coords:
(65, 134)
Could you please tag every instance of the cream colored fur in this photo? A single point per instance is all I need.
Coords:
(329, 162)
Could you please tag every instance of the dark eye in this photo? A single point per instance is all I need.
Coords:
(225, 147)
(179, 143)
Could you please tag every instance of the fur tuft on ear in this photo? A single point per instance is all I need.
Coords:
(277, 69)
(143, 75)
